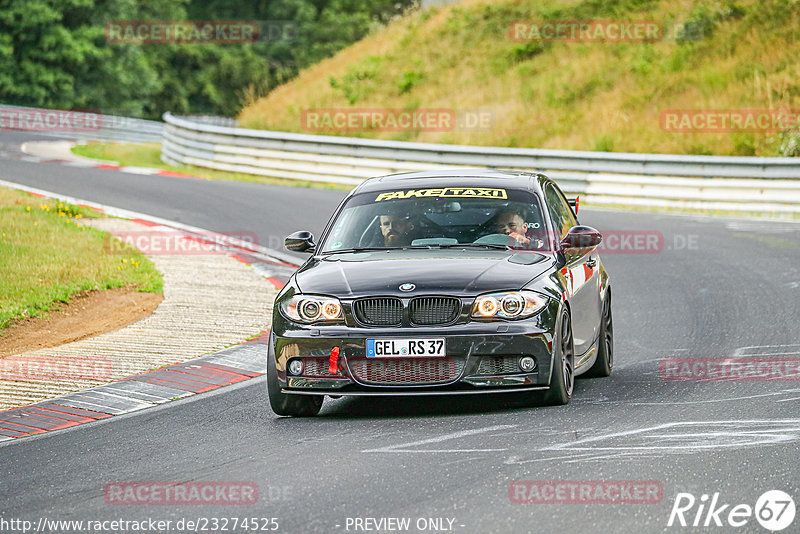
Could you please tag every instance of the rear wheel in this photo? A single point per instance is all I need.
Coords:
(284, 404)
(605, 350)
(562, 379)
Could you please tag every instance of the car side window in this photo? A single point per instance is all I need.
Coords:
(560, 212)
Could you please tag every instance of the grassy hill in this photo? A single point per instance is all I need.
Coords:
(608, 96)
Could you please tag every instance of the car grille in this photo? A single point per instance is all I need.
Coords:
(317, 368)
(405, 371)
(422, 311)
(434, 310)
(498, 365)
(379, 311)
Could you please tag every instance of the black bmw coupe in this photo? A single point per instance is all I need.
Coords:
(439, 283)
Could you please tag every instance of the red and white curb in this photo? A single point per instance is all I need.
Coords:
(108, 166)
(138, 392)
(213, 371)
(59, 152)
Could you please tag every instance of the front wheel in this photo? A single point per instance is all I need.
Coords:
(562, 379)
(605, 351)
(282, 403)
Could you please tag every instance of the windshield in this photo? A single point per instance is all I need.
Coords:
(479, 217)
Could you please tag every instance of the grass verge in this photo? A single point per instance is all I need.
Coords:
(48, 253)
(149, 155)
(561, 93)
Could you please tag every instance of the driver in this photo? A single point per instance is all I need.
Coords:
(511, 222)
(397, 230)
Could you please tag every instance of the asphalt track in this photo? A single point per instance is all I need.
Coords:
(716, 288)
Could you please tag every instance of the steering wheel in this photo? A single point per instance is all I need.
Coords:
(495, 239)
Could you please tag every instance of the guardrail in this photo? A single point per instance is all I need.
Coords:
(79, 124)
(750, 184)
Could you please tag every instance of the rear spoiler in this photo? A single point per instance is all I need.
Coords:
(573, 202)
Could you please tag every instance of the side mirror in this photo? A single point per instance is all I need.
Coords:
(302, 241)
(581, 237)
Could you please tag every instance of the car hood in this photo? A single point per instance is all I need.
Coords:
(452, 272)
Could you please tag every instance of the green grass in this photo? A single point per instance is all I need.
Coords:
(48, 253)
(149, 155)
(130, 154)
(607, 96)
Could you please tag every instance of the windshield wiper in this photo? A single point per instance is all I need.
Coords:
(359, 249)
(495, 246)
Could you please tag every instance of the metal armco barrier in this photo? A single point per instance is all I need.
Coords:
(751, 184)
(93, 126)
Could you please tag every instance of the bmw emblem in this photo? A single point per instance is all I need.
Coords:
(407, 287)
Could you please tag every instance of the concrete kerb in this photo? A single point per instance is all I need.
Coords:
(140, 391)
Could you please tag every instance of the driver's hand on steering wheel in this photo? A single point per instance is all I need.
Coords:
(521, 239)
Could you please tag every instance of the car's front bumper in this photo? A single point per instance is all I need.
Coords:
(480, 358)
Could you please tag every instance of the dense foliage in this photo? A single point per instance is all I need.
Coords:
(54, 53)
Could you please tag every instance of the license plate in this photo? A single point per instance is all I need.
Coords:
(404, 348)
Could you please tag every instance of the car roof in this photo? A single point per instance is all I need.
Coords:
(453, 177)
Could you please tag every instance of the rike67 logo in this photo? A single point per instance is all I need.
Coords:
(774, 510)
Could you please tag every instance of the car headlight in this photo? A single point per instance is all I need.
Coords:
(312, 309)
(508, 305)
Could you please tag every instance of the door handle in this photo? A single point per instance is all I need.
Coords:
(591, 262)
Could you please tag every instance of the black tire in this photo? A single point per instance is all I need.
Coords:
(605, 351)
(283, 404)
(562, 378)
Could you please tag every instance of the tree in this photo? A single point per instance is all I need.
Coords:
(54, 53)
